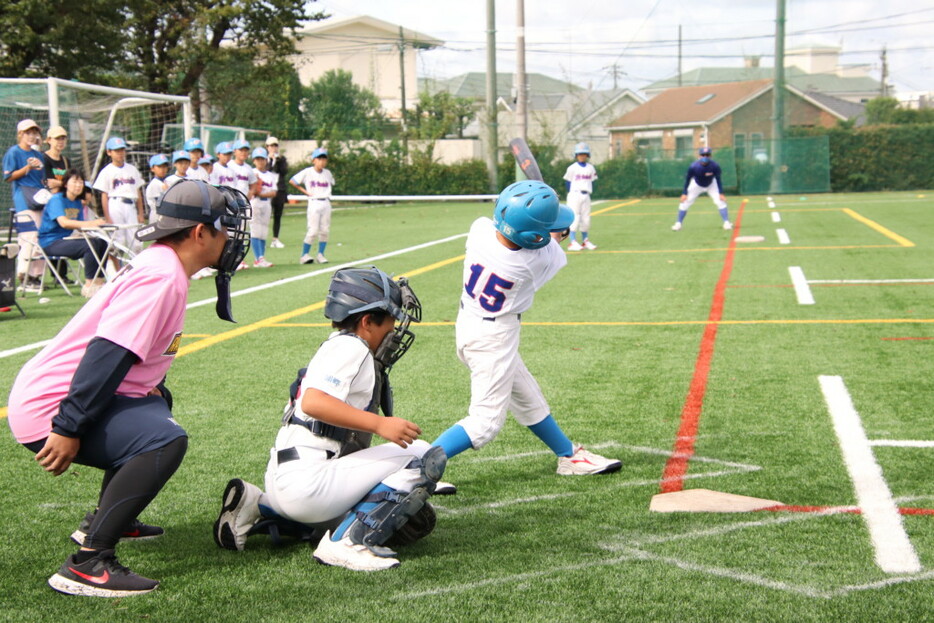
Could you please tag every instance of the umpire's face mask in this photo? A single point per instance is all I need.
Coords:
(238, 243)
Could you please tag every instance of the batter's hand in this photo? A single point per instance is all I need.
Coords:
(58, 453)
(722, 197)
(684, 198)
(400, 432)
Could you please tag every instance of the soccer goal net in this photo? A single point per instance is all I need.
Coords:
(90, 114)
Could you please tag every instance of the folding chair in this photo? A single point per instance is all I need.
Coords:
(8, 253)
(35, 253)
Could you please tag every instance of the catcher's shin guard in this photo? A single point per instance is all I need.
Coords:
(394, 509)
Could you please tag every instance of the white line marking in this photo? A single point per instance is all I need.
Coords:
(802, 290)
(901, 443)
(272, 284)
(871, 281)
(783, 236)
(893, 550)
(776, 217)
(843, 590)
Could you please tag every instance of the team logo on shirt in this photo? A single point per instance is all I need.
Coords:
(173, 347)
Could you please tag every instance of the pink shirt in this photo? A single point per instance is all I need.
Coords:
(142, 309)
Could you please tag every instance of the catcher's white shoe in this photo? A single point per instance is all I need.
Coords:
(727, 225)
(347, 554)
(239, 511)
(584, 463)
(589, 245)
(574, 246)
(445, 488)
(676, 226)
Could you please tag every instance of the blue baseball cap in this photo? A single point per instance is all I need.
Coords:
(157, 160)
(241, 144)
(206, 160)
(224, 148)
(193, 143)
(321, 152)
(181, 154)
(114, 143)
(704, 151)
(260, 152)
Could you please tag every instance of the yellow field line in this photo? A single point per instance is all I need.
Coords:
(888, 233)
(614, 206)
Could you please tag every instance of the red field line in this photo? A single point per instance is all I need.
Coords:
(790, 508)
(677, 465)
(896, 339)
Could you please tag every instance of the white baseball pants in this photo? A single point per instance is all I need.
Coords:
(695, 190)
(318, 220)
(580, 204)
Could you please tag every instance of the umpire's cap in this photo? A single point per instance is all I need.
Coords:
(184, 205)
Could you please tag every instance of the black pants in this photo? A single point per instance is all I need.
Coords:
(78, 249)
(278, 205)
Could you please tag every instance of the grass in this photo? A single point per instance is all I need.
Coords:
(614, 341)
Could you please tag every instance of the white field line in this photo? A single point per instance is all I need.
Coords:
(882, 281)
(901, 443)
(272, 284)
(776, 217)
(893, 550)
(782, 236)
(802, 290)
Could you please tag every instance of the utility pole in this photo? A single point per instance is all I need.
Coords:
(492, 140)
(885, 74)
(405, 130)
(679, 55)
(522, 115)
(778, 98)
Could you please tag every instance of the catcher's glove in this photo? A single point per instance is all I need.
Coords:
(417, 527)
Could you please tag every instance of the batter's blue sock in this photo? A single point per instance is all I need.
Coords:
(254, 243)
(681, 215)
(583, 236)
(321, 246)
(306, 248)
(548, 431)
(573, 235)
(723, 213)
(363, 507)
(454, 441)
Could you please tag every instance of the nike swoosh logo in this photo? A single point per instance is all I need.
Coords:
(581, 461)
(94, 579)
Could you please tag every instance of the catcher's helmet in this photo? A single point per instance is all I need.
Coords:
(582, 148)
(527, 211)
(704, 151)
(355, 290)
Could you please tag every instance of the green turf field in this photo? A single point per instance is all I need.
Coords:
(687, 355)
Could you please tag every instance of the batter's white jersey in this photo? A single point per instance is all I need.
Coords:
(500, 281)
(243, 176)
(318, 487)
(319, 185)
(221, 175)
(580, 177)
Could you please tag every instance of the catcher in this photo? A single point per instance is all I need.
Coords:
(322, 475)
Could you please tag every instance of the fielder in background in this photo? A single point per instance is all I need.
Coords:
(195, 148)
(181, 161)
(96, 394)
(159, 166)
(280, 166)
(508, 259)
(262, 207)
(318, 185)
(121, 185)
(703, 177)
(220, 174)
(322, 474)
(579, 180)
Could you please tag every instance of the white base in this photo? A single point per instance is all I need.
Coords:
(707, 501)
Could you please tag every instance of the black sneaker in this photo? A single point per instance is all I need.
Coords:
(101, 576)
(136, 531)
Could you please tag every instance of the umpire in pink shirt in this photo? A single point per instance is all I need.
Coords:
(96, 394)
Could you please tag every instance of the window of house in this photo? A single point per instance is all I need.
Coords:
(739, 145)
(684, 146)
(649, 147)
(706, 98)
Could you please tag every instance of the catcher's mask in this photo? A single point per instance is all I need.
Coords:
(358, 290)
(193, 201)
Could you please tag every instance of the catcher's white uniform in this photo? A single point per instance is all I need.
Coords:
(319, 487)
(580, 175)
(319, 186)
(499, 284)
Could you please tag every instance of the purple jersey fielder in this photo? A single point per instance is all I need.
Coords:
(703, 176)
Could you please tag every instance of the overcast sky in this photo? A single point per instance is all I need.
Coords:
(588, 41)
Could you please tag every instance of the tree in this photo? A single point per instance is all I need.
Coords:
(880, 110)
(335, 107)
(439, 115)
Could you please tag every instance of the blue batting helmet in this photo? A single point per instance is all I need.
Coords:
(526, 212)
(582, 148)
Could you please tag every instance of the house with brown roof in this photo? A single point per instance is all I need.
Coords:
(737, 114)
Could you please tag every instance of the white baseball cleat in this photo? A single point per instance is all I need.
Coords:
(347, 554)
(276, 244)
(239, 511)
(262, 263)
(321, 259)
(727, 225)
(589, 245)
(585, 463)
(306, 259)
(676, 226)
(574, 246)
(445, 488)
(243, 266)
